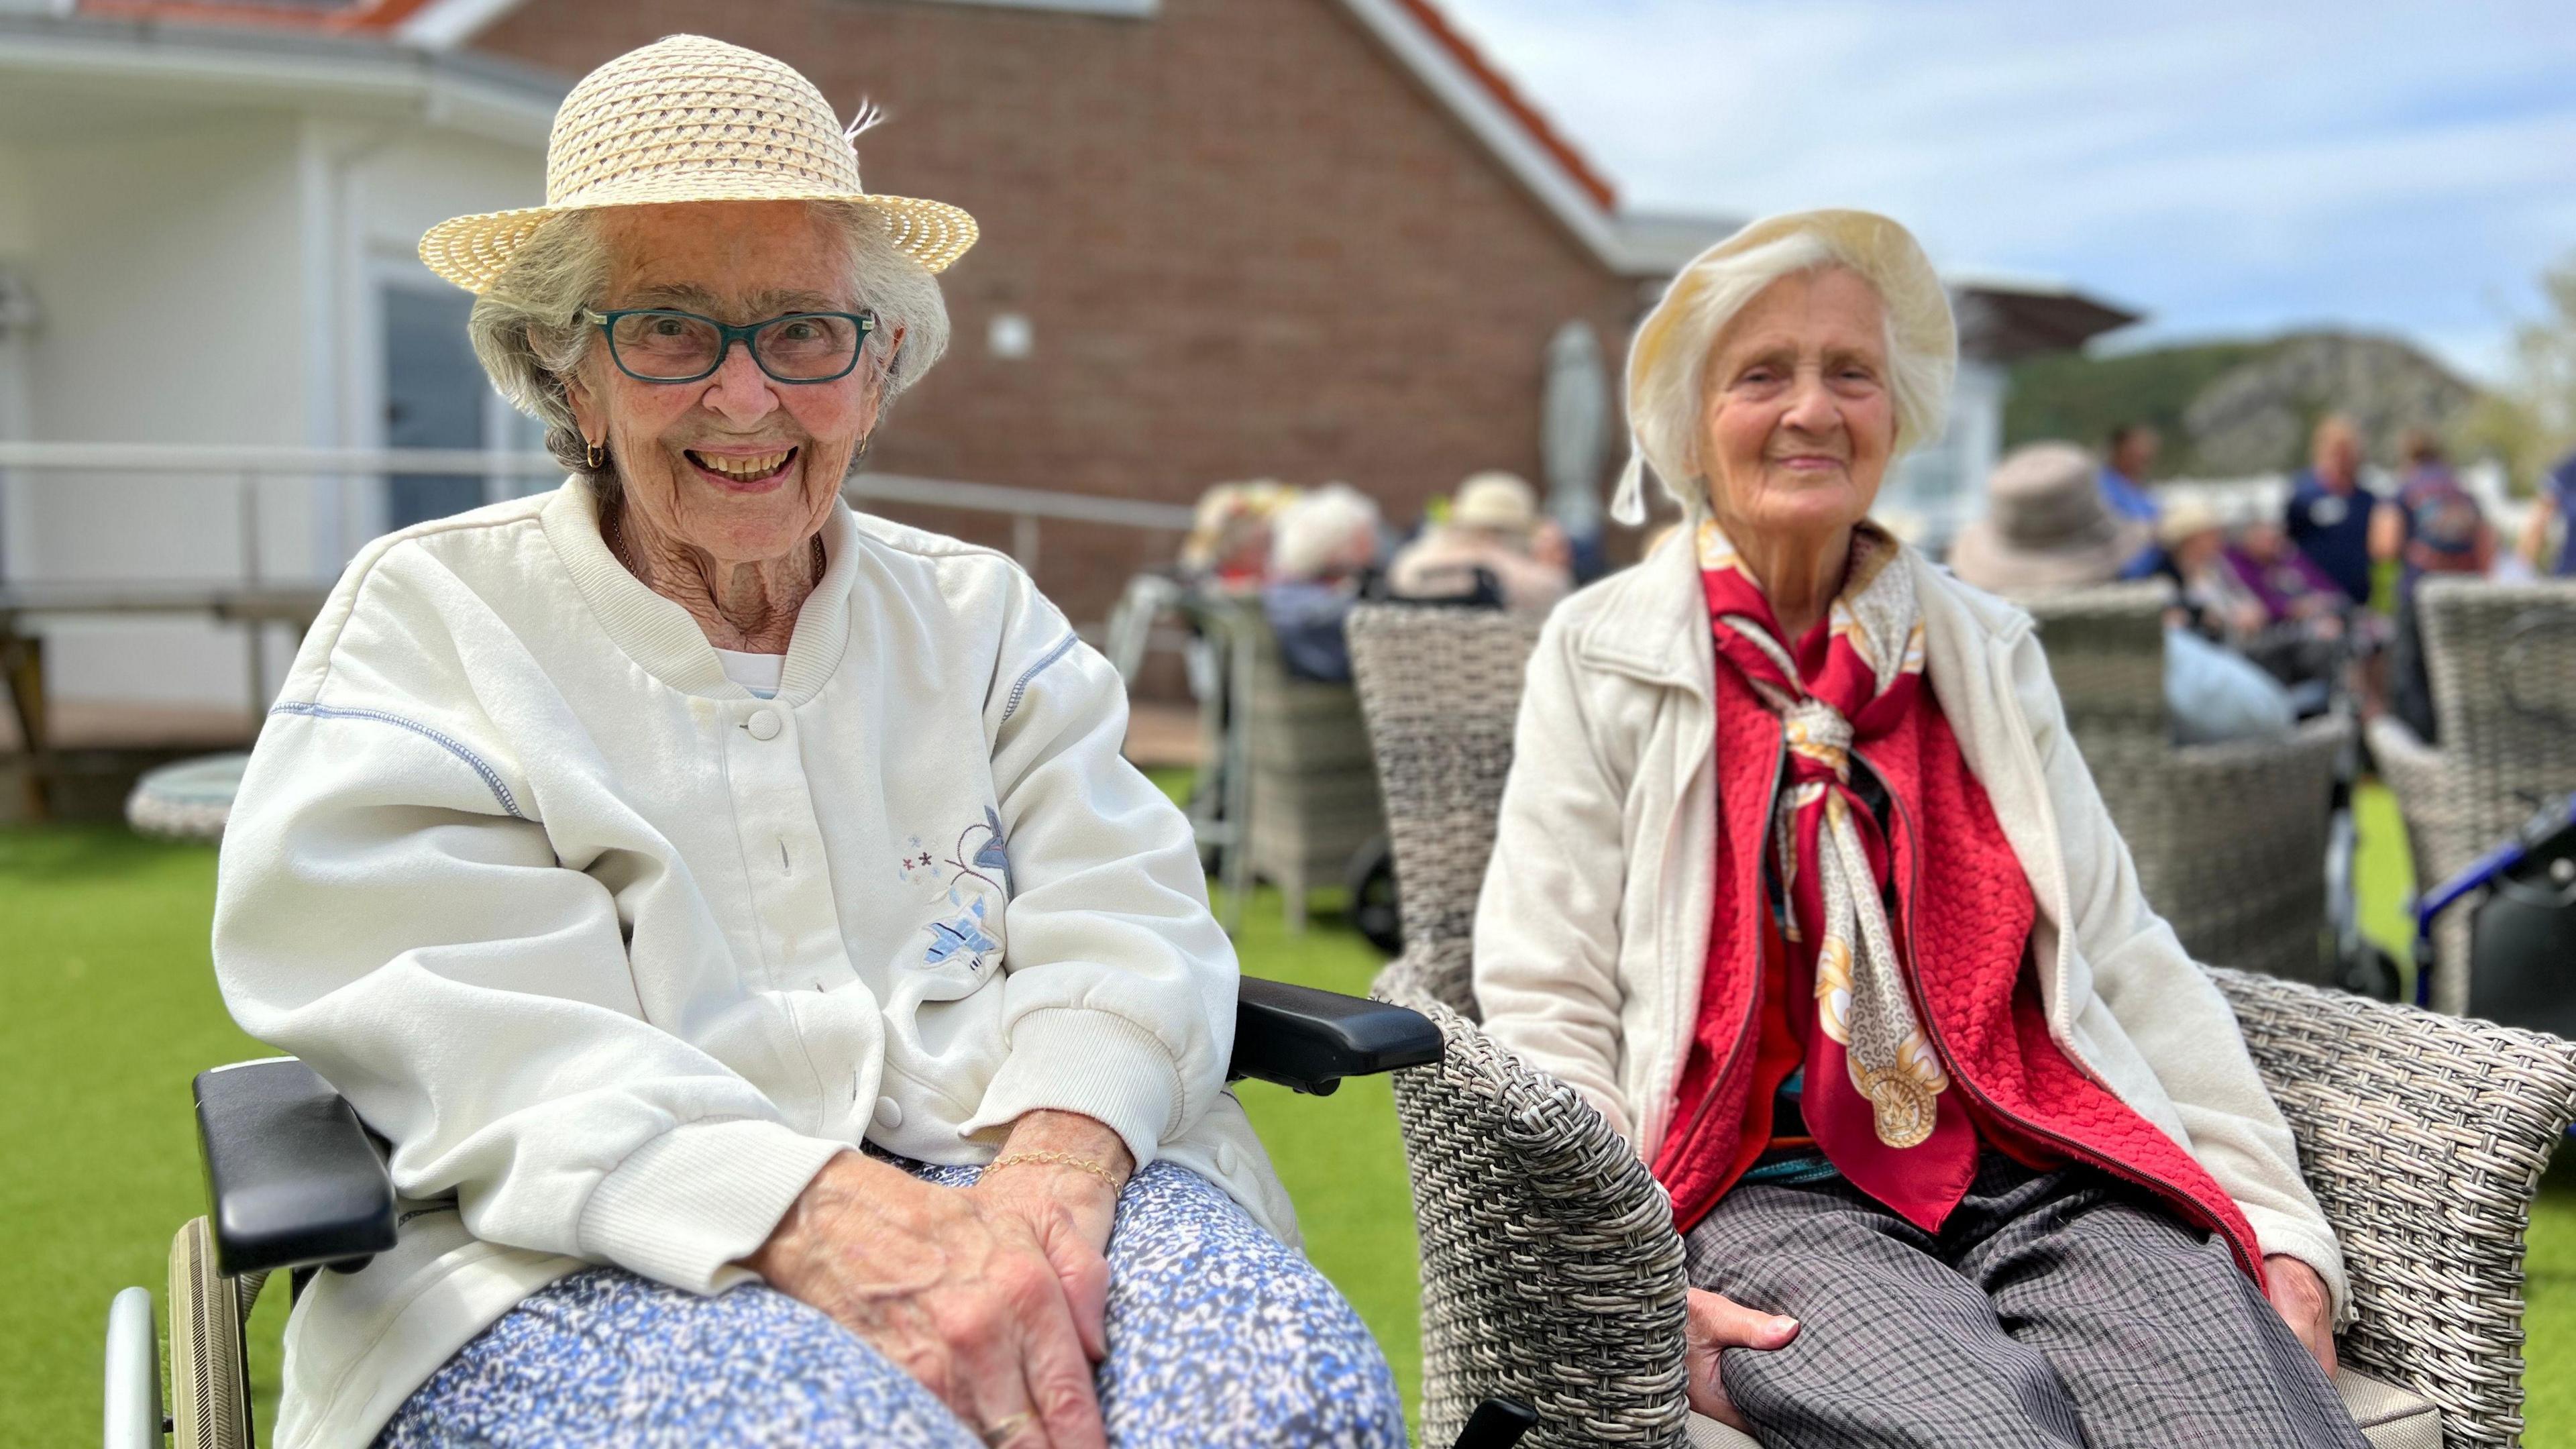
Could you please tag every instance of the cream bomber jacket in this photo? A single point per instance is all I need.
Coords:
(617, 955)
(1592, 929)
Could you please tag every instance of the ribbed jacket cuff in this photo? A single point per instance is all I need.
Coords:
(1097, 1063)
(682, 1208)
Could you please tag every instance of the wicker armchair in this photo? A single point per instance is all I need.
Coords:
(1551, 1272)
(2229, 839)
(2503, 664)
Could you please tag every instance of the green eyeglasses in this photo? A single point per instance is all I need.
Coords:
(659, 344)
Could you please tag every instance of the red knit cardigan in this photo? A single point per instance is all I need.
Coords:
(1964, 941)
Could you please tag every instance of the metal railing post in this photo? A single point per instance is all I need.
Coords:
(1024, 540)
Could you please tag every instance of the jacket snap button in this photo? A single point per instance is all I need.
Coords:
(1225, 1158)
(764, 724)
(889, 1113)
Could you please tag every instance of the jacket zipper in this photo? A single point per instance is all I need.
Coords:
(1950, 1063)
(1744, 1030)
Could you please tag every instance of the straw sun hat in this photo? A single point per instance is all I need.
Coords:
(692, 119)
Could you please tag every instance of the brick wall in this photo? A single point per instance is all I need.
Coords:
(1249, 242)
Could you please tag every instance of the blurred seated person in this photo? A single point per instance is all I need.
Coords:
(1322, 549)
(2329, 513)
(2435, 527)
(2556, 505)
(2048, 529)
(2128, 456)
(1229, 544)
(2277, 609)
(1493, 529)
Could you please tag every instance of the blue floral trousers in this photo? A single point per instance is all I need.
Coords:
(1219, 1334)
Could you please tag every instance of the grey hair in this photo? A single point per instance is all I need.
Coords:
(529, 332)
(1665, 404)
(1317, 529)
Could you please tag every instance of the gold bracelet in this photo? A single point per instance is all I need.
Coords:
(1056, 1159)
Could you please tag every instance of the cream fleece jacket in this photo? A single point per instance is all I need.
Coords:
(617, 955)
(1592, 929)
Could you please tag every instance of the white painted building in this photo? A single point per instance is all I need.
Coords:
(207, 238)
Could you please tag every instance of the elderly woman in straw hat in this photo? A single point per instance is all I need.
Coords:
(734, 911)
(1799, 880)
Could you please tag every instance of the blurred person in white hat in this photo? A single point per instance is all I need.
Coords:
(735, 912)
(1799, 881)
(1494, 530)
(1324, 545)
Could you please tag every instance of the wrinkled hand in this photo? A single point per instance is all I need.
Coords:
(1720, 1323)
(2300, 1297)
(958, 1288)
(1069, 1211)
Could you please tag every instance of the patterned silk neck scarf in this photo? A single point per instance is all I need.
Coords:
(1874, 1092)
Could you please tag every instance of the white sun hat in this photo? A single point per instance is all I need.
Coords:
(692, 119)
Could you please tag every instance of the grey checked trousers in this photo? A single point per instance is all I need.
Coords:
(2052, 1309)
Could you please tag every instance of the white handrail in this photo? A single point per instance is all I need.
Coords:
(235, 461)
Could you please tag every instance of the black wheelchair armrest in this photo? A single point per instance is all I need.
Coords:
(293, 1178)
(1309, 1040)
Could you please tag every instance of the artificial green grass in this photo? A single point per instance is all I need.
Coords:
(107, 1008)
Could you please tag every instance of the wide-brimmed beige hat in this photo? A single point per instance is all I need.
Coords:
(2047, 527)
(692, 119)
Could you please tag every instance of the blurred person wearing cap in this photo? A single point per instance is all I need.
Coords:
(1799, 881)
(2197, 556)
(1324, 547)
(1492, 529)
(2328, 515)
(735, 912)
(2047, 530)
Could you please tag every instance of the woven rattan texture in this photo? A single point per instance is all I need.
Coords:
(2506, 707)
(1550, 1269)
(692, 119)
(1440, 689)
(2229, 840)
(2423, 1136)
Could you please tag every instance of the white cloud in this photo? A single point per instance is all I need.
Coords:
(2227, 167)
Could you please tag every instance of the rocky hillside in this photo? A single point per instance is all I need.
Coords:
(2228, 409)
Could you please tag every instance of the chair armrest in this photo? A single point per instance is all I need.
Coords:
(2424, 1138)
(1551, 1274)
(292, 1177)
(1309, 1040)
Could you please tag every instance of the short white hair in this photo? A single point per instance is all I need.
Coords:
(1668, 365)
(1320, 529)
(529, 331)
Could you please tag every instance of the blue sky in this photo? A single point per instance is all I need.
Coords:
(2230, 168)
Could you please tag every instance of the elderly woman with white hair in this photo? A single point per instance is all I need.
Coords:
(1801, 882)
(792, 1021)
(1323, 544)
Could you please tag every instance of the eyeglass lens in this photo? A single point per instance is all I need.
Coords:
(678, 347)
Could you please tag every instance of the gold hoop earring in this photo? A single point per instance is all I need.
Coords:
(596, 455)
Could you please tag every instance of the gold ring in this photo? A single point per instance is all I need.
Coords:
(1008, 1428)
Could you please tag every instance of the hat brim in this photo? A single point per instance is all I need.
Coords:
(1982, 557)
(473, 251)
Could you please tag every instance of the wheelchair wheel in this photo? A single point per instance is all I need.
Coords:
(209, 1388)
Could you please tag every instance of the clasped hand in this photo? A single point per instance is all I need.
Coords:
(995, 1297)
